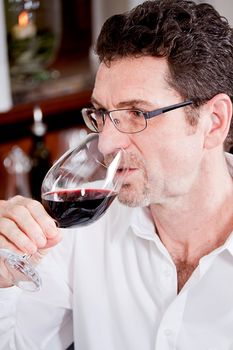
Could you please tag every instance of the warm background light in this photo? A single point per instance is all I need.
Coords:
(23, 19)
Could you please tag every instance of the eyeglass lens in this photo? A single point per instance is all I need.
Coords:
(129, 121)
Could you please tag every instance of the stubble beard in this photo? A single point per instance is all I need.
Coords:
(136, 192)
(132, 197)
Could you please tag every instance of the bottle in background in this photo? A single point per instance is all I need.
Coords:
(39, 154)
(17, 165)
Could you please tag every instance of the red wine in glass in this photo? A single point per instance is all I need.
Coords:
(77, 207)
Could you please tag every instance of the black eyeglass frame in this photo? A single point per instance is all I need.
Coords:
(147, 115)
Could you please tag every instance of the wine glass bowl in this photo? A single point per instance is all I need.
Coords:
(80, 186)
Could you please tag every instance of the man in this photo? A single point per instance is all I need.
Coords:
(157, 271)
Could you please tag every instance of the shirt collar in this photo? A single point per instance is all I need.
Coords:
(142, 225)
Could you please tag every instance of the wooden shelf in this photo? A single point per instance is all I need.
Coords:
(51, 106)
(60, 100)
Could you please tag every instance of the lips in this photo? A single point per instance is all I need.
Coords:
(126, 172)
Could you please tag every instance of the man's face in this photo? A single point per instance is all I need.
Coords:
(165, 158)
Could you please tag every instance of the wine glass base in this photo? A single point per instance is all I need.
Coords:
(24, 276)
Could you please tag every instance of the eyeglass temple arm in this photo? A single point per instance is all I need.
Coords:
(167, 109)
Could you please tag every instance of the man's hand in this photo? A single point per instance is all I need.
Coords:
(25, 228)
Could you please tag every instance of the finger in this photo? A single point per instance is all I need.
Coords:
(35, 258)
(22, 218)
(30, 213)
(42, 217)
(6, 244)
(53, 241)
(12, 237)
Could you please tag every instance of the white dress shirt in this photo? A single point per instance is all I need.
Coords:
(113, 286)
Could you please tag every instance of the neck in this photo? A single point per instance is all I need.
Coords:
(199, 221)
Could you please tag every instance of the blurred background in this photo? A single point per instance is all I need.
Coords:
(47, 69)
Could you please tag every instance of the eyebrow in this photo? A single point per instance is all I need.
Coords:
(127, 103)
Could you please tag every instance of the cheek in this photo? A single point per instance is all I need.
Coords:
(173, 158)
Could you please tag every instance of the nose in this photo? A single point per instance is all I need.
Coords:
(111, 139)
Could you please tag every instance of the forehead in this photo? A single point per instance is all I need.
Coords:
(132, 78)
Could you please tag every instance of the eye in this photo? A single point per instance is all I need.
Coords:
(135, 113)
(101, 110)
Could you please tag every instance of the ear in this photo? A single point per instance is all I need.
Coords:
(219, 119)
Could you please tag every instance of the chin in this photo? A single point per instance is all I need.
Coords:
(133, 197)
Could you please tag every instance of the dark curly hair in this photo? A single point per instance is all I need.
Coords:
(195, 39)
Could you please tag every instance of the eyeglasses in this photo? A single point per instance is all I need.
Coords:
(128, 121)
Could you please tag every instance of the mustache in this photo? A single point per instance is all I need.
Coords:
(132, 161)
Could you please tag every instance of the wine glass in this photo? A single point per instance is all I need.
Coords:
(80, 186)
(76, 191)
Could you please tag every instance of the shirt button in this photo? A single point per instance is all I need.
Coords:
(168, 332)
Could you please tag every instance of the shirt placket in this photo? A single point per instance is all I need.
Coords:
(170, 324)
